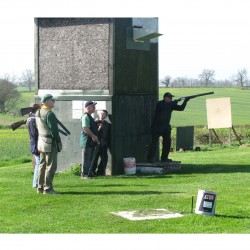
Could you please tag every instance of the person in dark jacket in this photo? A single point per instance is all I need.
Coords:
(88, 139)
(104, 137)
(33, 134)
(161, 126)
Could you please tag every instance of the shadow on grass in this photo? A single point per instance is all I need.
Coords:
(208, 168)
(118, 192)
(232, 216)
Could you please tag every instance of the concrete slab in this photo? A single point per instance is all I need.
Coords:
(150, 214)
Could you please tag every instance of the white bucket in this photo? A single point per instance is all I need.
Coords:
(129, 165)
(206, 202)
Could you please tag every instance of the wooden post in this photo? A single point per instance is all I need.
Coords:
(237, 137)
(229, 135)
(210, 138)
(217, 137)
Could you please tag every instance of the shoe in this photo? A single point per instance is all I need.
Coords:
(39, 191)
(50, 192)
(166, 160)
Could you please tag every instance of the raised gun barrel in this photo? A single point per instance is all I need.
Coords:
(194, 96)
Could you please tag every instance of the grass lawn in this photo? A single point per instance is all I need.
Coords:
(84, 206)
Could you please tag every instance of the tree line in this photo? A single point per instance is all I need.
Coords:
(9, 95)
(207, 79)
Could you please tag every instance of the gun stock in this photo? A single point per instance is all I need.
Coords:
(18, 124)
(194, 96)
(25, 111)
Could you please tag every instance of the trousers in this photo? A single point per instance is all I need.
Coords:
(87, 160)
(36, 168)
(47, 169)
(166, 144)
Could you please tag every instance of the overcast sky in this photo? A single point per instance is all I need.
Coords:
(197, 34)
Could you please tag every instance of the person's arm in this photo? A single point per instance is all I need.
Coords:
(86, 128)
(52, 124)
(182, 106)
(90, 134)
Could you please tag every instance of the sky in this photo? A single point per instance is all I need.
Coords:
(197, 34)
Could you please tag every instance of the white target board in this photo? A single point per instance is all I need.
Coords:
(219, 113)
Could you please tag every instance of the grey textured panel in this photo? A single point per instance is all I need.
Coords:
(73, 53)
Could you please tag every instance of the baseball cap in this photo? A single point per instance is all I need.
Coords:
(88, 103)
(46, 98)
(168, 94)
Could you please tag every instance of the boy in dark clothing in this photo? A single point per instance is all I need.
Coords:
(104, 136)
(161, 126)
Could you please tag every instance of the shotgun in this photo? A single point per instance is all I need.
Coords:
(194, 96)
(24, 111)
(18, 124)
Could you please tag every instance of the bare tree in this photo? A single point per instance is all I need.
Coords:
(166, 81)
(207, 76)
(241, 77)
(9, 96)
(10, 78)
(28, 79)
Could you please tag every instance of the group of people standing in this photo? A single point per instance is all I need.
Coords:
(95, 139)
(45, 143)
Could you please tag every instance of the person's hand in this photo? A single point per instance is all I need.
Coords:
(95, 138)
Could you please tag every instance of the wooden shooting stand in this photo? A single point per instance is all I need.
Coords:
(158, 167)
(217, 137)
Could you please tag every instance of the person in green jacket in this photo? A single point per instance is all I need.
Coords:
(49, 144)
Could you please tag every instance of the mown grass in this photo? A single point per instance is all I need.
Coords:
(85, 206)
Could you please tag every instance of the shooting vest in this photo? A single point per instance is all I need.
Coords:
(44, 134)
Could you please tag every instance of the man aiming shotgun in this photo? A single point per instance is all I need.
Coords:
(161, 124)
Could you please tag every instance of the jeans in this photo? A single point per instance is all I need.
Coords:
(87, 161)
(35, 176)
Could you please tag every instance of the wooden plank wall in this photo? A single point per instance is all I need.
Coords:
(131, 132)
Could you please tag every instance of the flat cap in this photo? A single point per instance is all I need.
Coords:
(46, 98)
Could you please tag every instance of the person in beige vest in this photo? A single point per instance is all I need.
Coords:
(49, 144)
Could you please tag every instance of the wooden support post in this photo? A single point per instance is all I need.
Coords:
(210, 138)
(229, 136)
(217, 137)
(237, 137)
